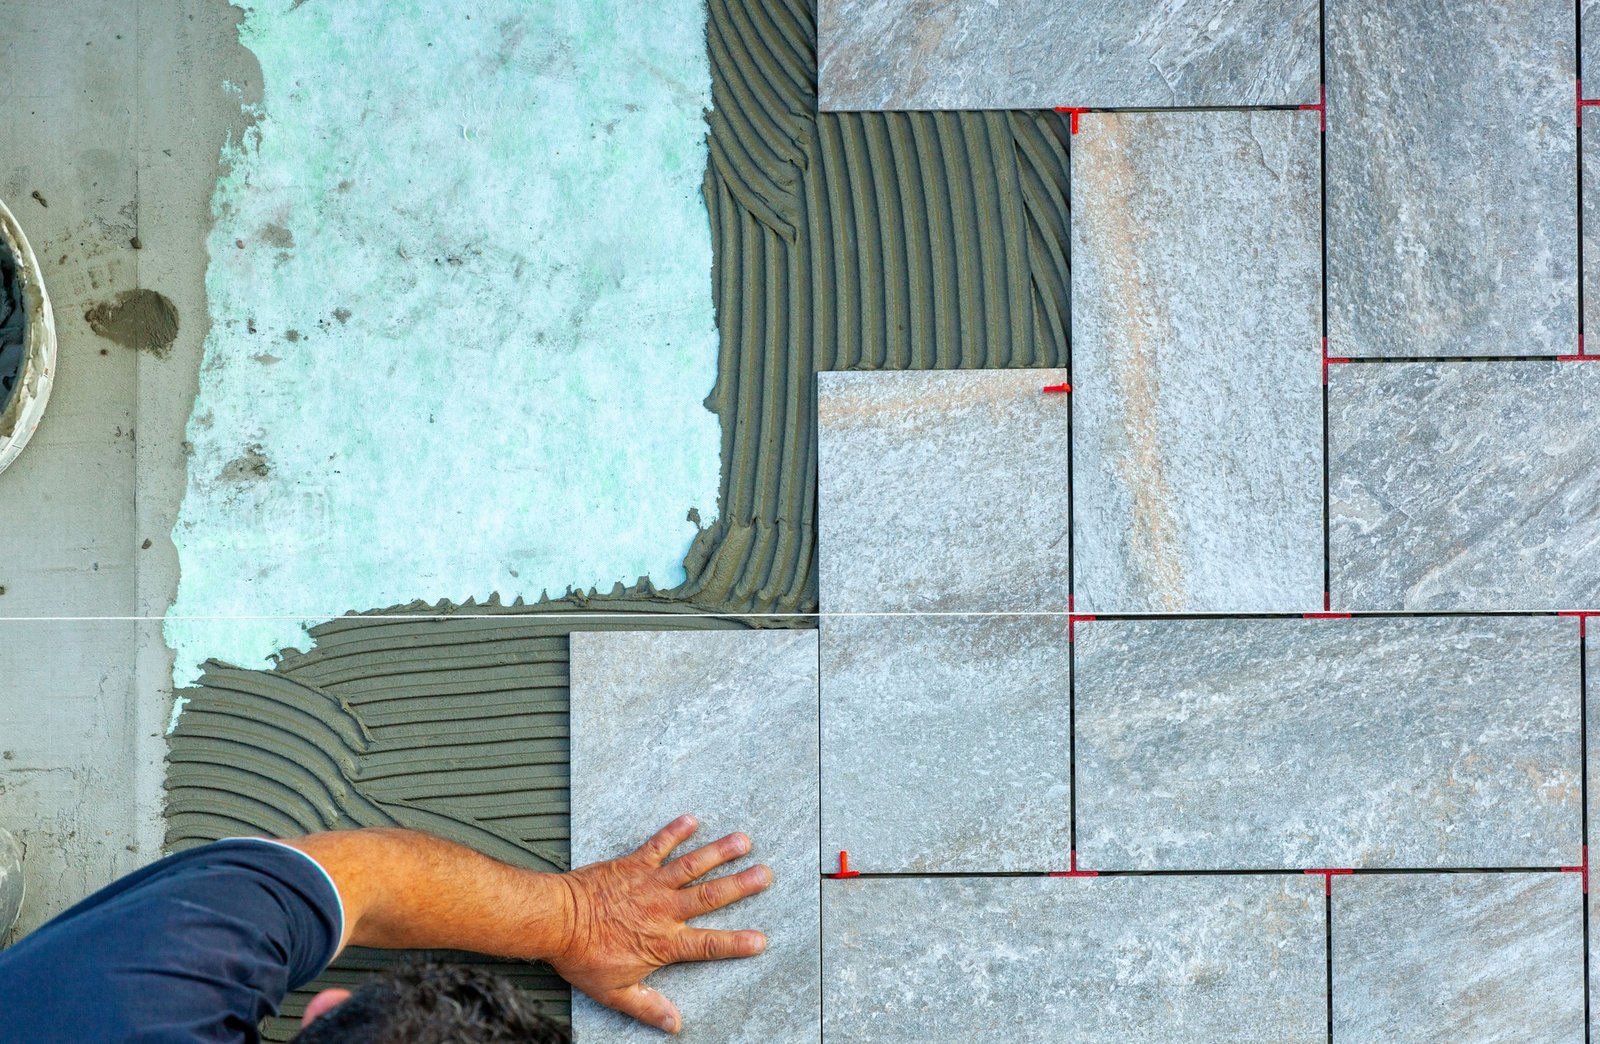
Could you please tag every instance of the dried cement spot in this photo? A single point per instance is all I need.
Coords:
(292, 336)
(278, 236)
(139, 319)
(342, 314)
(250, 466)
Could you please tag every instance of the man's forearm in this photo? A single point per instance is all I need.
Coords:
(406, 890)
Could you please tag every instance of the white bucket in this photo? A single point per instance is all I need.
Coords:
(21, 415)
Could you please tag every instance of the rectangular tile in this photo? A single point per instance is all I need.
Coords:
(1197, 403)
(945, 743)
(1034, 54)
(1452, 181)
(1464, 486)
(1029, 960)
(1383, 742)
(1458, 957)
(942, 491)
(722, 724)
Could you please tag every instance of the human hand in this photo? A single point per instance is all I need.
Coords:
(630, 918)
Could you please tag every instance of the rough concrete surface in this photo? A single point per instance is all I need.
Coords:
(1034, 54)
(1464, 486)
(1197, 443)
(731, 720)
(1104, 960)
(1390, 742)
(1452, 188)
(113, 115)
(944, 743)
(1458, 957)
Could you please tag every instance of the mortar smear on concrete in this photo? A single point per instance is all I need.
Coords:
(883, 241)
(143, 320)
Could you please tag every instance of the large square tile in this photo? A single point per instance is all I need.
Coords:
(945, 743)
(942, 491)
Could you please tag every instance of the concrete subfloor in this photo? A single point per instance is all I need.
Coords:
(112, 113)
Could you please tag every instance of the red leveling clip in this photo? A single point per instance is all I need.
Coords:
(1327, 878)
(1075, 111)
(1320, 108)
(1583, 619)
(1584, 869)
(844, 867)
(1075, 872)
(1057, 389)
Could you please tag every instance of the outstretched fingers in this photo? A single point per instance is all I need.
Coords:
(658, 848)
(646, 1005)
(724, 891)
(702, 944)
(705, 859)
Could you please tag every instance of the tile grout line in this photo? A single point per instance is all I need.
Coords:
(1322, 149)
(821, 944)
(1583, 801)
(1072, 600)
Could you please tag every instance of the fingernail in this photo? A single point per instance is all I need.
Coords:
(742, 843)
(761, 944)
(669, 1024)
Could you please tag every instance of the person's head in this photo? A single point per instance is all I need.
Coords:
(429, 1004)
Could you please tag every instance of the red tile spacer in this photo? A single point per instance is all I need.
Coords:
(844, 867)
(1057, 389)
(1583, 619)
(1326, 359)
(1075, 872)
(1582, 101)
(1075, 111)
(1320, 108)
(1327, 602)
(1580, 357)
(1584, 869)
(1327, 878)
(1326, 616)
(1072, 624)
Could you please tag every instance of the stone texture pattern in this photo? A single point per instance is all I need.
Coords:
(1035, 960)
(945, 743)
(1464, 486)
(1451, 152)
(1197, 408)
(942, 492)
(1035, 54)
(724, 725)
(1387, 742)
(1458, 957)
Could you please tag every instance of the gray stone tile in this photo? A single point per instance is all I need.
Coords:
(1590, 157)
(722, 724)
(1458, 957)
(1197, 402)
(942, 491)
(1452, 182)
(1464, 486)
(1035, 54)
(1380, 742)
(1027, 960)
(945, 743)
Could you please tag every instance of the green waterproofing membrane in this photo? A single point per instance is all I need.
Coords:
(841, 241)
(462, 325)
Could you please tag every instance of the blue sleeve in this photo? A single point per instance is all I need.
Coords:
(200, 946)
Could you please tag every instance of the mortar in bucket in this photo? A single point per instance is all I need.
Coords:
(27, 340)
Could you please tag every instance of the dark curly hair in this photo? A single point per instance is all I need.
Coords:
(424, 1003)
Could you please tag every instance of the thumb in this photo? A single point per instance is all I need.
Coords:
(646, 1005)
